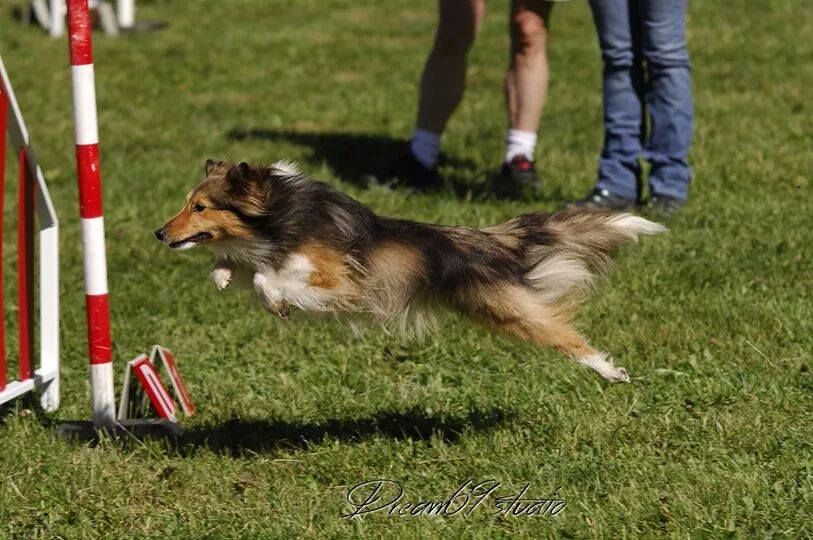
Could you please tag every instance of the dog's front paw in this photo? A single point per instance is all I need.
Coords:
(221, 277)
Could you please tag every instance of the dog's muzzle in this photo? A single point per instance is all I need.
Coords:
(186, 243)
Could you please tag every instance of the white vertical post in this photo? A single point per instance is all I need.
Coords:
(56, 12)
(125, 13)
(49, 294)
(49, 315)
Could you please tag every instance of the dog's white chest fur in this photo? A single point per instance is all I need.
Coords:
(291, 284)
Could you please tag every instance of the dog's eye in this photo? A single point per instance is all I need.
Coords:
(199, 208)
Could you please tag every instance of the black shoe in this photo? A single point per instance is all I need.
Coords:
(407, 171)
(665, 206)
(601, 198)
(518, 180)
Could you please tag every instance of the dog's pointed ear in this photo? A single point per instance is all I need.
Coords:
(249, 192)
(239, 174)
(210, 164)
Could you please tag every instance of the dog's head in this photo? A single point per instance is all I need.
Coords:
(223, 206)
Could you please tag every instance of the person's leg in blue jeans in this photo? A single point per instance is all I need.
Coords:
(668, 97)
(617, 23)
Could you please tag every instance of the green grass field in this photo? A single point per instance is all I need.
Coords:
(713, 320)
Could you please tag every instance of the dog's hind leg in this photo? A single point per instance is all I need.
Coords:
(516, 310)
(602, 363)
(270, 296)
(554, 332)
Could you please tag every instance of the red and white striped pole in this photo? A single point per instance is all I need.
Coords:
(90, 206)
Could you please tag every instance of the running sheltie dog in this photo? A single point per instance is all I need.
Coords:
(301, 243)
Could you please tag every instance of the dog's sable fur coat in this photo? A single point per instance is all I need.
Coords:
(300, 243)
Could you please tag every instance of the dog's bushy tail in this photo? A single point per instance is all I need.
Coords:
(566, 251)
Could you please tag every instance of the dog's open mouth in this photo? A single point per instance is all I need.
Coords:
(191, 241)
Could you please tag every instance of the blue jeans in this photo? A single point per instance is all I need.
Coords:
(646, 73)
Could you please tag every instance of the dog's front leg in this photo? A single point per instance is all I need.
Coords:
(270, 296)
(222, 273)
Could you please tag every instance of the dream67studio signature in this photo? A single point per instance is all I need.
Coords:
(388, 497)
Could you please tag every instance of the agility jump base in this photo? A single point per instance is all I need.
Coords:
(33, 202)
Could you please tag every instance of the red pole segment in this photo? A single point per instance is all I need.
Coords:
(25, 267)
(3, 121)
(90, 206)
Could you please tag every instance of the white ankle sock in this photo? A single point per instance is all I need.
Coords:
(519, 143)
(425, 146)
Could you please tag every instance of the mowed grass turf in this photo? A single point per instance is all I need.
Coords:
(713, 437)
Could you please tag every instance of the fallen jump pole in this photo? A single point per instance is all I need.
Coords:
(90, 206)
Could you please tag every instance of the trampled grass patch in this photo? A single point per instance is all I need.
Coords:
(713, 319)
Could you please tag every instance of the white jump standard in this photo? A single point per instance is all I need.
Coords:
(33, 199)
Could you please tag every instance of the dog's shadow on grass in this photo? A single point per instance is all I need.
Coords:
(238, 437)
(361, 158)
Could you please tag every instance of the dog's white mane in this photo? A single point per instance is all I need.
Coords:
(286, 167)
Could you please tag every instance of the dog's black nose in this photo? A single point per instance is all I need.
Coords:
(159, 234)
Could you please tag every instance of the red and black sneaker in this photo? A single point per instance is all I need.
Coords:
(518, 180)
